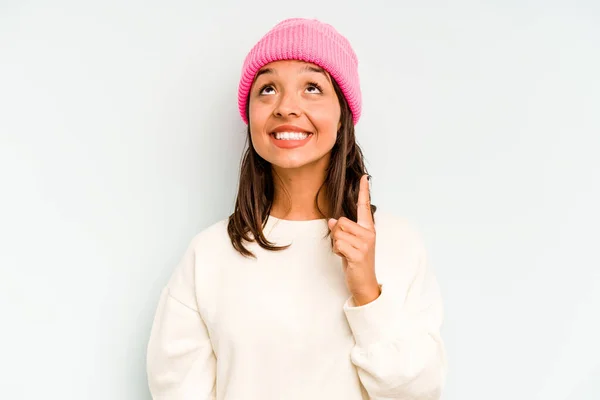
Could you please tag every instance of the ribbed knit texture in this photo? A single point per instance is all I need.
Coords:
(307, 40)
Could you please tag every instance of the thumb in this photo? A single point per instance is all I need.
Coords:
(331, 223)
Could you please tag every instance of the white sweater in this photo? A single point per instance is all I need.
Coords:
(283, 326)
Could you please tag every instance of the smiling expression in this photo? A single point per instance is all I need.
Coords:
(294, 114)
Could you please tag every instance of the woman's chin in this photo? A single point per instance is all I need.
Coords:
(296, 163)
(290, 164)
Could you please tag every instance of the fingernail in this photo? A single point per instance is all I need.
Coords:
(369, 177)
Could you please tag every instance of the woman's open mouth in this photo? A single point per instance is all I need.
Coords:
(290, 140)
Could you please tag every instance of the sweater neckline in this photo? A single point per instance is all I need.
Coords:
(305, 221)
(286, 227)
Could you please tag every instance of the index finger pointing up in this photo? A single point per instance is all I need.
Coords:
(364, 217)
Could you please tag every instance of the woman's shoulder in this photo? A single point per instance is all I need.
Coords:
(391, 227)
(400, 247)
(387, 220)
(212, 237)
(395, 229)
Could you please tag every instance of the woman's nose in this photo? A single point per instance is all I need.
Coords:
(287, 105)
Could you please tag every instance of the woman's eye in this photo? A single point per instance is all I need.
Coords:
(265, 89)
(313, 88)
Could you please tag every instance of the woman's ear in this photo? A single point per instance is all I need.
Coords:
(339, 125)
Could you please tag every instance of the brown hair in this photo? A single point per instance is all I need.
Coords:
(256, 189)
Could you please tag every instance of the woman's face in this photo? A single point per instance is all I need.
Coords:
(294, 114)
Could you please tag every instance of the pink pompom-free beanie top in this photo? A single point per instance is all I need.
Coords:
(307, 40)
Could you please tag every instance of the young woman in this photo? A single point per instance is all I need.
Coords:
(290, 297)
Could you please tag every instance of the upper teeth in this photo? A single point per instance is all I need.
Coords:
(291, 135)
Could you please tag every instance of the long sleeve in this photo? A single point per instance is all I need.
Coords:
(180, 360)
(399, 352)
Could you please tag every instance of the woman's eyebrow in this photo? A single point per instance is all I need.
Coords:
(310, 68)
(307, 68)
(264, 71)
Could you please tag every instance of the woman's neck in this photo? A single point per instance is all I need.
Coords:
(295, 192)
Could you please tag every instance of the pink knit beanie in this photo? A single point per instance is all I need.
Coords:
(307, 40)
